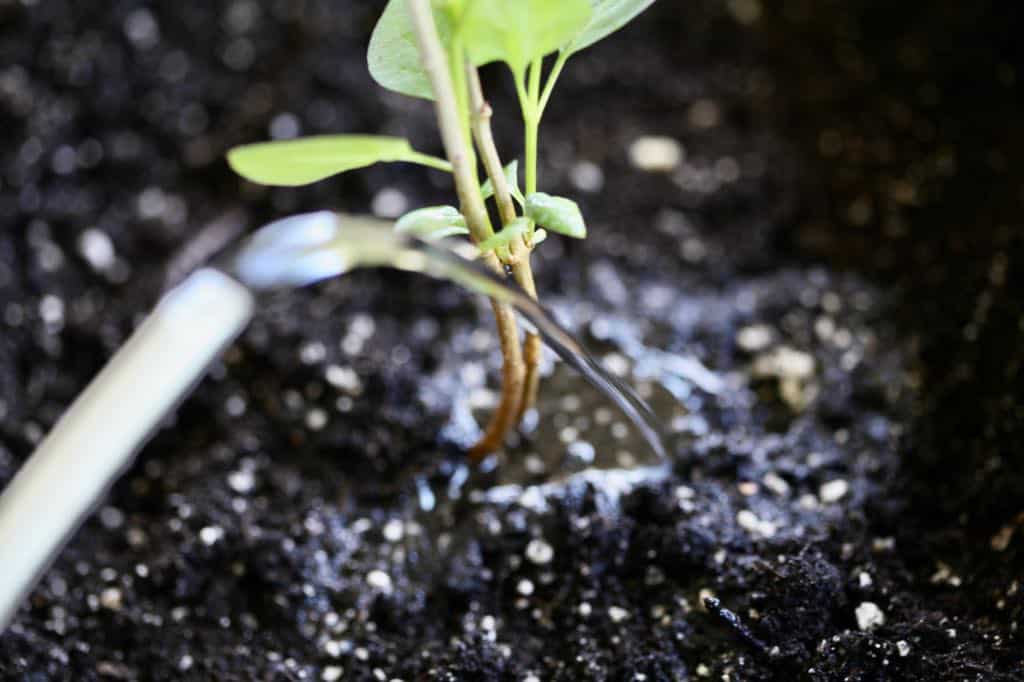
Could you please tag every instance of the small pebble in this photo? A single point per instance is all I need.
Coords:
(786, 363)
(586, 176)
(775, 483)
(655, 154)
(618, 614)
(394, 530)
(539, 552)
(210, 535)
(389, 203)
(112, 518)
(1001, 540)
(869, 616)
(111, 599)
(833, 491)
(704, 113)
(753, 524)
(582, 451)
(379, 580)
(316, 419)
(754, 338)
(97, 248)
(241, 481)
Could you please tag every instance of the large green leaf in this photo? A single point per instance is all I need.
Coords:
(608, 16)
(519, 31)
(394, 56)
(291, 163)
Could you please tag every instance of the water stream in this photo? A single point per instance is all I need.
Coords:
(304, 249)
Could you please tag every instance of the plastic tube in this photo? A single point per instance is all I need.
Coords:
(98, 437)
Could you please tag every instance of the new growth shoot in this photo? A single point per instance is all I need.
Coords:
(431, 49)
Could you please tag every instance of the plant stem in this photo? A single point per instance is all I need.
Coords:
(549, 86)
(451, 122)
(532, 128)
(521, 270)
(484, 136)
(455, 59)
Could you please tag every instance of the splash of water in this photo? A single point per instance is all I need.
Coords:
(304, 249)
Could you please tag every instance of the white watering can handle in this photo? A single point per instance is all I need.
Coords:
(97, 438)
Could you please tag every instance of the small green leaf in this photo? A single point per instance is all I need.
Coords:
(512, 175)
(539, 236)
(514, 230)
(608, 16)
(557, 214)
(518, 31)
(433, 222)
(291, 163)
(394, 56)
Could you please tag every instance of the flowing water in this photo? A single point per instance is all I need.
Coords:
(304, 249)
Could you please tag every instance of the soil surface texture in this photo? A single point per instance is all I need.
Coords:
(816, 279)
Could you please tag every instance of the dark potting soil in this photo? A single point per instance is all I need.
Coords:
(823, 301)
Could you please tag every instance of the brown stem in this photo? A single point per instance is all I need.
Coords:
(467, 186)
(521, 270)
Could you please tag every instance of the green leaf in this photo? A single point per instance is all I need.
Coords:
(538, 237)
(514, 230)
(433, 222)
(518, 31)
(557, 214)
(291, 163)
(512, 175)
(608, 16)
(394, 56)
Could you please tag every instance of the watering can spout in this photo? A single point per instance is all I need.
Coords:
(97, 438)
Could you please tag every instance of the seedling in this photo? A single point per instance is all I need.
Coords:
(431, 49)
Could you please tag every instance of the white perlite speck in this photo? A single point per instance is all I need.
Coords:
(618, 614)
(379, 580)
(655, 154)
(539, 552)
(833, 491)
(331, 673)
(750, 522)
(394, 530)
(903, 648)
(786, 363)
(111, 599)
(210, 535)
(869, 616)
(242, 481)
(96, 247)
(775, 483)
(754, 338)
